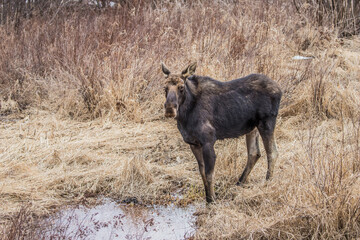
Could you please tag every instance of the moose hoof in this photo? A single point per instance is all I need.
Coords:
(242, 184)
(269, 177)
(210, 200)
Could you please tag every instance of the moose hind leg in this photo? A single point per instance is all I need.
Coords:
(253, 150)
(272, 154)
(266, 130)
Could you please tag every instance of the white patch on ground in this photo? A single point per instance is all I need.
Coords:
(110, 220)
(297, 57)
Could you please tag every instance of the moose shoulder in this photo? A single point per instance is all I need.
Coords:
(207, 110)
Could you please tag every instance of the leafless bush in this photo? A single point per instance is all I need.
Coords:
(108, 56)
(20, 225)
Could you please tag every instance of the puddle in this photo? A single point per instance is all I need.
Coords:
(111, 220)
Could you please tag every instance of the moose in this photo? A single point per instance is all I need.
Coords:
(207, 110)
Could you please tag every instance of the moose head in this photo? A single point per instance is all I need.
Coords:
(175, 88)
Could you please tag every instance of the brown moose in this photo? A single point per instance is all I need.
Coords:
(207, 110)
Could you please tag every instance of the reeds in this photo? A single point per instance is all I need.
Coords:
(342, 14)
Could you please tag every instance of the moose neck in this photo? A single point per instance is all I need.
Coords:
(186, 106)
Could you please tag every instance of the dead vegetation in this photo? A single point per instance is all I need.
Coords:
(81, 114)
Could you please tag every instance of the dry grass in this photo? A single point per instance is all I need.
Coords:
(82, 94)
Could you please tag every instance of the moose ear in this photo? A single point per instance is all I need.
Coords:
(190, 70)
(164, 69)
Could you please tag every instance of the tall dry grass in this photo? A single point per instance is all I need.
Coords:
(92, 63)
(342, 14)
(83, 63)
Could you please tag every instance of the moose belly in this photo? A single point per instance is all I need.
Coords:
(234, 127)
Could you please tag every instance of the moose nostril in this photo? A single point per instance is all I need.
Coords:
(170, 105)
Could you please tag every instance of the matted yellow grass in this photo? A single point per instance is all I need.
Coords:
(49, 161)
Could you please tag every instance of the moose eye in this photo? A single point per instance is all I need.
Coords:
(181, 89)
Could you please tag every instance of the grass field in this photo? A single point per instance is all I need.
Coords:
(81, 115)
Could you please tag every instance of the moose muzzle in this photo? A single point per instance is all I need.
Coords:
(171, 105)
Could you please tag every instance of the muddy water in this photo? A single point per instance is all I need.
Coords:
(110, 220)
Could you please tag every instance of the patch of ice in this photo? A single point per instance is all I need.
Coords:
(110, 220)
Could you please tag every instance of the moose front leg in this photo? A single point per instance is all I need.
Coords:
(209, 158)
(197, 151)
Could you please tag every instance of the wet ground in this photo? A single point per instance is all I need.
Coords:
(110, 220)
